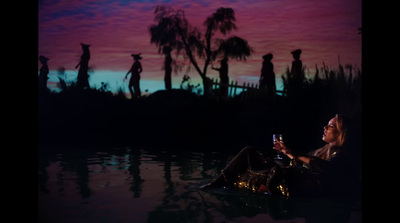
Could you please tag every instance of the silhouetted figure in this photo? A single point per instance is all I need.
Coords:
(223, 76)
(136, 69)
(297, 67)
(43, 75)
(267, 79)
(83, 76)
(168, 68)
(134, 171)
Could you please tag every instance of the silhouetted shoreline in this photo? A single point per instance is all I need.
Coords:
(182, 119)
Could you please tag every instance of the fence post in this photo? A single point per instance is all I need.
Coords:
(244, 87)
(230, 89)
(253, 92)
(250, 91)
(258, 92)
(216, 85)
(234, 89)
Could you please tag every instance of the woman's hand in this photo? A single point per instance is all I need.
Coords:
(280, 146)
(288, 153)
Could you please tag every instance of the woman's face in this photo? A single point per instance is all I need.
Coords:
(331, 133)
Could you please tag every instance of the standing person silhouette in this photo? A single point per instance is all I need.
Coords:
(223, 75)
(136, 69)
(83, 76)
(297, 68)
(44, 71)
(267, 78)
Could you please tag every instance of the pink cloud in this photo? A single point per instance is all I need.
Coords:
(323, 29)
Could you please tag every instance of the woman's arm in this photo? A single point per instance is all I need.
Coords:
(304, 159)
(281, 146)
(316, 164)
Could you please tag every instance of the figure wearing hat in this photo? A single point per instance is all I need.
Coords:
(136, 69)
(83, 76)
(223, 76)
(267, 78)
(297, 67)
(44, 71)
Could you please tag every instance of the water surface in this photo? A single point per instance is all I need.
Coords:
(127, 184)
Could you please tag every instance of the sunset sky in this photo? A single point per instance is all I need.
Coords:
(323, 29)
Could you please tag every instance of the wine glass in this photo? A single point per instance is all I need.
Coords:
(275, 139)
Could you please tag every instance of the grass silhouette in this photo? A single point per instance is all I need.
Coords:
(181, 119)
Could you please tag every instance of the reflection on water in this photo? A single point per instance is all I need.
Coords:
(139, 185)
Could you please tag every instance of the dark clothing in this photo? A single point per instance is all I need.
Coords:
(340, 177)
(224, 78)
(297, 74)
(297, 67)
(250, 169)
(135, 82)
(83, 76)
(135, 79)
(43, 76)
(267, 78)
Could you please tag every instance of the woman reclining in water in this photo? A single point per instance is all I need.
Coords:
(326, 170)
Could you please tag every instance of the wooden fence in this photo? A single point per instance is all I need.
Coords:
(245, 91)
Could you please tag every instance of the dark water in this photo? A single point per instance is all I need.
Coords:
(127, 184)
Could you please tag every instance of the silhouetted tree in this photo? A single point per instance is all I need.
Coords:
(168, 68)
(199, 46)
(166, 37)
(235, 48)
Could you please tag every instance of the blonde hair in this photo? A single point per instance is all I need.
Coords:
(325, 152)
(341, 125)
(328, 150)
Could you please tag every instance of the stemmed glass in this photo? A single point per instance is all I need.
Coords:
(275, 139)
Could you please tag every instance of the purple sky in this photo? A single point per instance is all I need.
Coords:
(323, 29)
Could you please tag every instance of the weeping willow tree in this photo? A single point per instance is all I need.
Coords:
(166, 36)
(174, 32)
